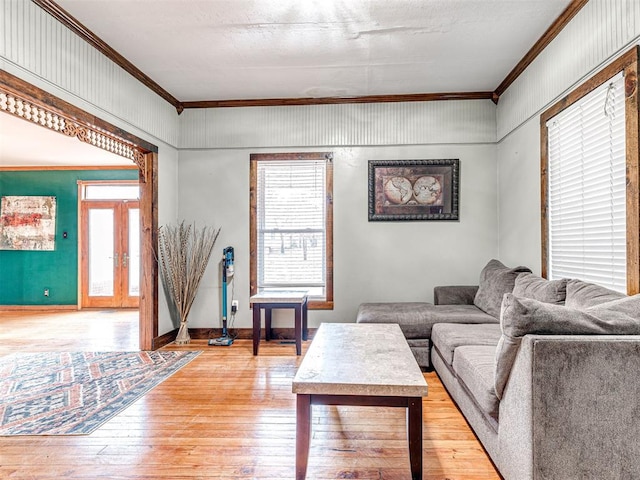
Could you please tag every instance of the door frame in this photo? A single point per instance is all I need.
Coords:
(82, 255)
(80, 124)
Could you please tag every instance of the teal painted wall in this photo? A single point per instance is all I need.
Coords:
(25, 274)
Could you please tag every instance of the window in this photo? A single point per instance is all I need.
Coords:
(590, 226)
(587, 225)
(111, 192)
(291, 225)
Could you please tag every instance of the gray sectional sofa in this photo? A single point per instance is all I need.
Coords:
(547, 373)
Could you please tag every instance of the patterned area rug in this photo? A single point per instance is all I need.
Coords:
(74, 393)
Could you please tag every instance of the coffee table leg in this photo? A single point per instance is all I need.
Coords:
(303, 434)
(298, 329)
(256, 328)
(414, 430)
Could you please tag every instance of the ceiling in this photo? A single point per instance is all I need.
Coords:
(204, 50)
(260, 49)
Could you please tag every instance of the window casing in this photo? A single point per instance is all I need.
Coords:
(589, 181)
(291, 225)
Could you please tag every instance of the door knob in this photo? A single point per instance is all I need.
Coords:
(124, 259)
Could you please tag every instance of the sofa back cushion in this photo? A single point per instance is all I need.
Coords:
(581, 295)
(521, 316)
(495, 281)
(532, 286)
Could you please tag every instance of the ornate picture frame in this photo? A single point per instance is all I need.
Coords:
(405, 190)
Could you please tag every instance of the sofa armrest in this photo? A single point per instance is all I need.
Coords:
(570, 408)
(454, 295)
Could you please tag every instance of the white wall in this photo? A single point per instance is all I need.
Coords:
(373, 261)
(519, 197)
(407, 123)
(600, 32)
(167, 213)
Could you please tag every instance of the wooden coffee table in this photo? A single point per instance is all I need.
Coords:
(359, 364)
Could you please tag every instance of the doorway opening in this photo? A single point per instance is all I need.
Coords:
(38, 107)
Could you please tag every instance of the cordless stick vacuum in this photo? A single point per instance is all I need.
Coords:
(227, 272)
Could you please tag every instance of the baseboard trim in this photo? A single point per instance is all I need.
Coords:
(162, 340)
(45, 308)
(247, 333)
(240, 333)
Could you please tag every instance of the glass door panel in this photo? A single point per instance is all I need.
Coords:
(134, 252)
(102, 255)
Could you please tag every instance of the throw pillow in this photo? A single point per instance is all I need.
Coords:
(628, 305)
(521, 316)
(532, 286)
(495, 281)
(583, 295)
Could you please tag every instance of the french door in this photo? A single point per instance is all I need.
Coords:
(110, 255)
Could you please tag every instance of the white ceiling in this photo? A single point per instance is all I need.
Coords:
(248, 49)
(262, 49)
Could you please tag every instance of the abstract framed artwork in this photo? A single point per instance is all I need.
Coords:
(27, 223)
(414, 190)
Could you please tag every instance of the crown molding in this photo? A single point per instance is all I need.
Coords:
(278, 102)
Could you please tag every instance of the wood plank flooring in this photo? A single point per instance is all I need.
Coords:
(227, 415)
(60, 330)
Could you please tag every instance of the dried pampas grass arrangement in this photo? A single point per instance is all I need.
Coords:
(184, 255)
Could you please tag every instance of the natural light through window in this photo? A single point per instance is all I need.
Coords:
(587, 189)
(290, 225)
(111, 192)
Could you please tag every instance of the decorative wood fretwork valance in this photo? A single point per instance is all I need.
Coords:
(48, 118)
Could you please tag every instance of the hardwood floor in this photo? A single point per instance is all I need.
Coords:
(85, 330)
(227, 415)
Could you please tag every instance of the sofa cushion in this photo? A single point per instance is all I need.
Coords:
(474, 365)
(581, 295)
(521, 316)
(460, 314)
(495, 281)
(417, 319)
(530, 285)
(447, 337)
(413, 317)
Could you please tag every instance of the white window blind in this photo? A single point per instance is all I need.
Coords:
(291, 225)
(587, 189)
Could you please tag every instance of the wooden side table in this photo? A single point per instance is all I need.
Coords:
(267, 301)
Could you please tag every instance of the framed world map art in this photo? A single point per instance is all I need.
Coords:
(414, 189)
(27, 223)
